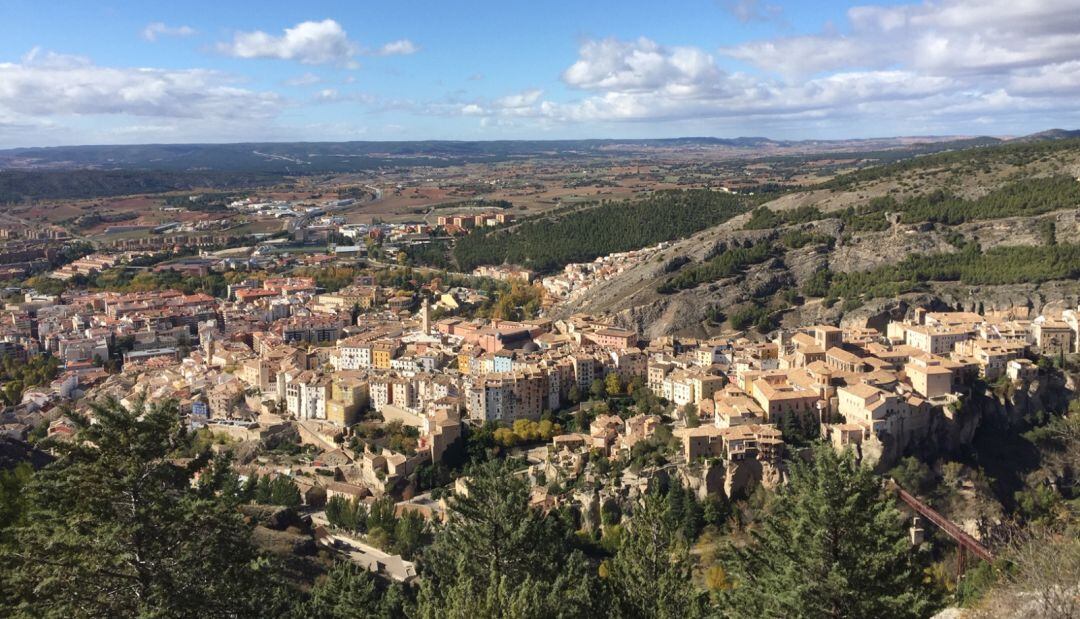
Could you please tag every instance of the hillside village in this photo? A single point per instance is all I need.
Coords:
(380, 399)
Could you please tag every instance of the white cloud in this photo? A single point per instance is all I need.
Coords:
(909, 65)
(401, 47)
(519, 100)
(48, 84)
(950, 37)
(1055, 79)
(640, 65)
(309, 42)
(524, 103)
(753, 10)
(307, 79)
(805, 55)
(737, 96)
(370, 102)
(156, 29)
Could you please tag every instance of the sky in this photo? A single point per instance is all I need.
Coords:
(76, 72)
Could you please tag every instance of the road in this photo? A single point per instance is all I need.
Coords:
(376, 191)
(301, 221)
(361, 553)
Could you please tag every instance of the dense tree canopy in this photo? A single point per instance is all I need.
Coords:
(650, 575)
(833, 545)
(764, 218)
(115, 528)
(547, 242)
(16, 376)
(997, 266)
(1023, 198)
(349, 591)
(499, 557)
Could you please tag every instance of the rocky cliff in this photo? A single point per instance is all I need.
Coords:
(633, 300)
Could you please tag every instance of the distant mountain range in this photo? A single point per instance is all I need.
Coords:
(332, 157)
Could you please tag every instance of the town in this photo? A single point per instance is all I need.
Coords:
(732, 309)
(379, 387)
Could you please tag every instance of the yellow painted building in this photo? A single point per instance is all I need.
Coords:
(382, 353)
(349, 395)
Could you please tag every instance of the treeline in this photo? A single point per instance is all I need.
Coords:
(479, 202)
(330, 279)
(755, 314)
(1033, 196)
(1012, 154)
(796, 239)
(1028, 197)
(402, 535)
(23, 186)
(994, 267)
(727, 263)
(435, 254)
(124, 280)
(547, 243)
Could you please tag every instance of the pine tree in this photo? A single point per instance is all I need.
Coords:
(115, 528)
(832, 545)
(264, 490)
(348, 591)
(650, 575)
(335, 510)
(408, 534)
(499, 557)
(284, 492)
(12, 494)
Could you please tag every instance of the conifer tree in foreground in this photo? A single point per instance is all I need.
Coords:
(832, 545)
(349, 591)
(115, 528)
(651, 572)
(499, 557)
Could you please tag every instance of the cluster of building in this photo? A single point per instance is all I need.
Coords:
(577, 278)
(93, 264)
(462, 223)
(279, 352)
(25, 256)
(504, 272)
(876, 392)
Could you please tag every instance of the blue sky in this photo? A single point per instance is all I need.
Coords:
(99, 72)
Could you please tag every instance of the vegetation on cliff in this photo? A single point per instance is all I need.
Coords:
(994, 267)
(117, 527)
(1023, 198)
(726, 263)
